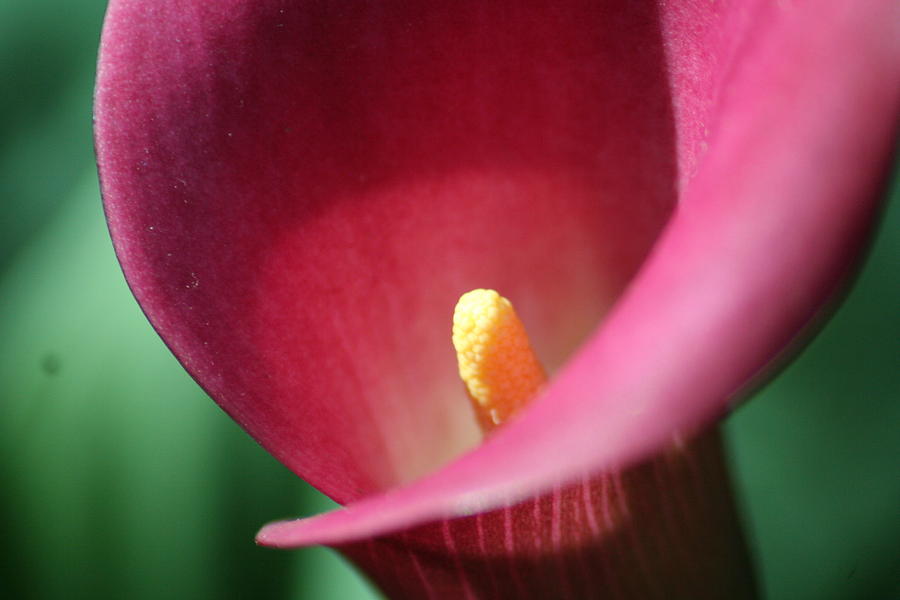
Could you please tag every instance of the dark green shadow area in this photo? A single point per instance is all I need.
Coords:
(47, 56)
(816, 451)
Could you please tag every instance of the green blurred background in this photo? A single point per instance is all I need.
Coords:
(120, 479)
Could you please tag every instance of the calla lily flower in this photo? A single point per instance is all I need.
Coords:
(671, 193)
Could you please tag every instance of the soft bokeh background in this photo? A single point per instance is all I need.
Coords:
(120, 479)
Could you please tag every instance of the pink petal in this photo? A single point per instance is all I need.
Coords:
(801, 130)
(298, 195)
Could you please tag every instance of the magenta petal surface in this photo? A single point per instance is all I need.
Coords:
(298, 193)
(800, 134)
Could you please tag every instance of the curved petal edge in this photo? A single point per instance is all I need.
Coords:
(766, 233)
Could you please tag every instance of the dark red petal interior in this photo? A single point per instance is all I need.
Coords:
(299, 192)
(766, 232)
